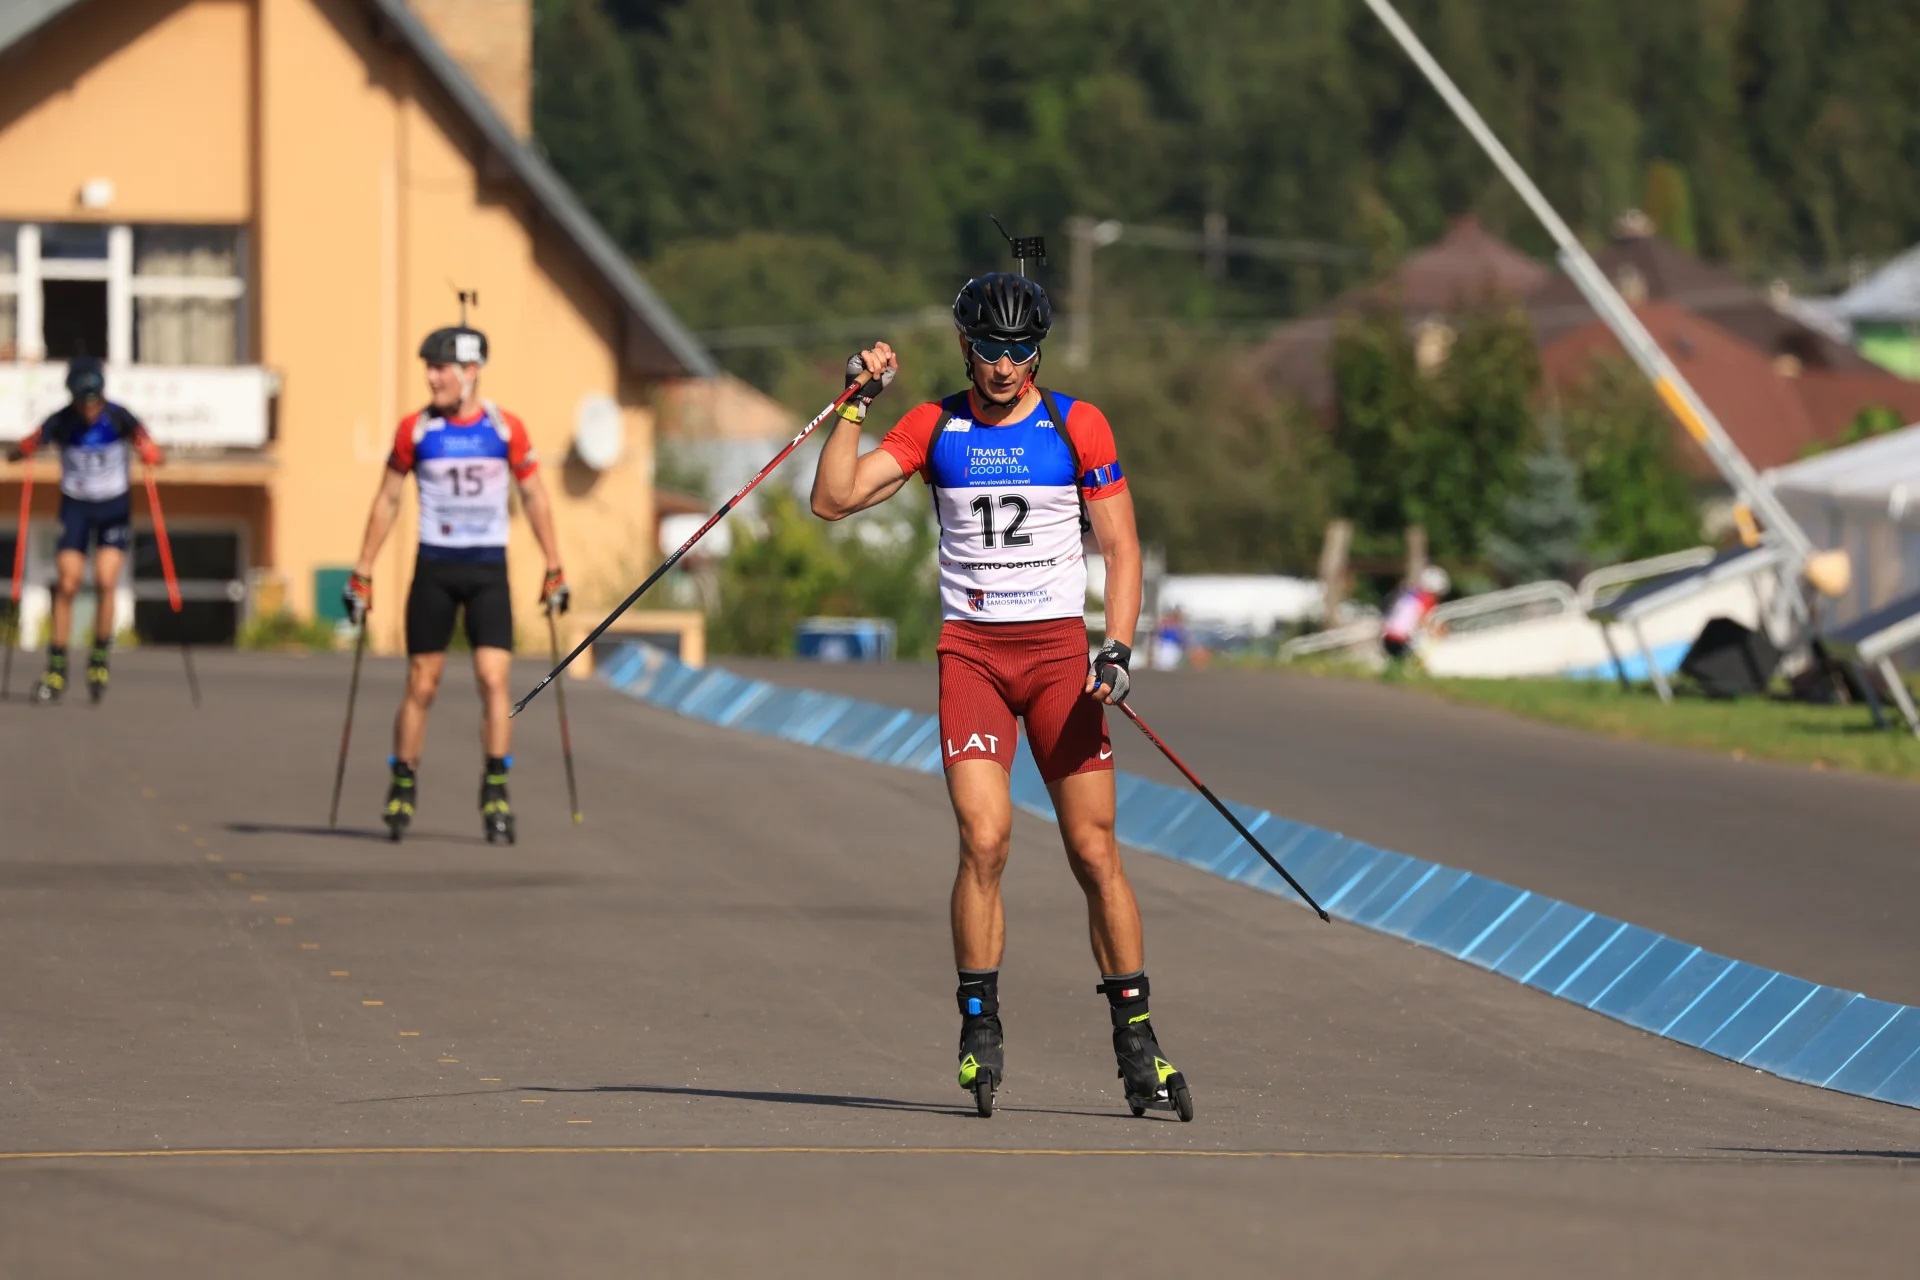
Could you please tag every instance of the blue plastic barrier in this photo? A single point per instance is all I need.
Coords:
(1795, 1029)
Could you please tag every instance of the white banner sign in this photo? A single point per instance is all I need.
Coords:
(195, 408)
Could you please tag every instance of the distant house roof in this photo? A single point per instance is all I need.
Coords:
(1645, 268)
(1467, 267)
(1890, 295)
(1773, 407)
(1872, 470)
(657, 342)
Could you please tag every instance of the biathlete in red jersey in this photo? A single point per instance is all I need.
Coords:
(1014, 470)
(464, 452)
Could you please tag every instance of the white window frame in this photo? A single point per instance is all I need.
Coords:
(123, 287)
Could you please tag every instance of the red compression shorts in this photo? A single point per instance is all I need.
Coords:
(991, 672)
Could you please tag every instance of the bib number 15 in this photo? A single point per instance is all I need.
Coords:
(1011, 537)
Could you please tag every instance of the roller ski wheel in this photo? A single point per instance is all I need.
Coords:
(98, 677)
(1173, 1096)
(496, 813)
(983, 1097)
(499, 828)
(52, 687)
(401, 790)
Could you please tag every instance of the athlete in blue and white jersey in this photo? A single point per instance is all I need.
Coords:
(467, 456)
(97, 440)
(1018, 474)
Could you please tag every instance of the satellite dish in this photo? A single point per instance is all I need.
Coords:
(599, 436)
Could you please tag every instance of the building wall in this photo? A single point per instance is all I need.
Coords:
(370, 200)
(374, 208)
(153, 95)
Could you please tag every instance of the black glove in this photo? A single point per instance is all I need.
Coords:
(1110, 670)
(868, 394)
(357, 596)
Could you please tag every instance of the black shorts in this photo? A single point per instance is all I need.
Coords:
(82, 523)
(442, 586)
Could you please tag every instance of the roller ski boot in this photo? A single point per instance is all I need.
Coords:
(401, 790)
(97, 674)
(496, 813)
(982, 1047)
(53, 685)
(1150, 1081)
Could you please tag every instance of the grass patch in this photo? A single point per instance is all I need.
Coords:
(1822, 737)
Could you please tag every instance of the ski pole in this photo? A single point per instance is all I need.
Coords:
(346, 733)
(566, 739)
(19, 573)
(173, 585)
(687, 546)
(1225, 812)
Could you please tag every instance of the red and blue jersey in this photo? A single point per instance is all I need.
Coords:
(463, 468)
(1008, 499)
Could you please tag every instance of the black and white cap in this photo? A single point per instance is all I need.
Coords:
(456, 344)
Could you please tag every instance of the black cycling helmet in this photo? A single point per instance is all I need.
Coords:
(456, 344)
(86, 377)
(1003, 307)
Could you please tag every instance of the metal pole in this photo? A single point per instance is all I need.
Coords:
(1673, 389)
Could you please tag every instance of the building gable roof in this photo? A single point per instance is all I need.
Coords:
(658, 343)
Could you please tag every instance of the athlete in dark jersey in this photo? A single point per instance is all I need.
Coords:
(466, 454)
(1018, 473)
(97, 440)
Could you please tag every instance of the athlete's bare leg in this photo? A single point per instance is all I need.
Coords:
(106, 577)
(410, 723)
(1085, 804)
(492, 669)
(983, 806)
(71, 566)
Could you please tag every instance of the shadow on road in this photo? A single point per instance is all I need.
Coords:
(817, 1100)
(376, 834)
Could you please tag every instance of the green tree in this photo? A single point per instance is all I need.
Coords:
(1669, 202)
(1623, 440)
(1547, 527)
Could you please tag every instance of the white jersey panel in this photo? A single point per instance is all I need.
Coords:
(1011, 553)
(463, 501)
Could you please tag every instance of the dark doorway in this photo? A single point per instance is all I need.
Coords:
(75, 319)
(207, 564)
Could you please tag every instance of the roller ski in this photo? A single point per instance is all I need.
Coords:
(982, 1046)
(1150, 1081)
(53, 685)
(98, 676)
(401, 791)
(496, 813)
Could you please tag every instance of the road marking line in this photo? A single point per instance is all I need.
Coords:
(257, 897)
(283, 919)
(409, 1033)
(538, 1102)
(373, 1004)
(579, 1122)
(338, 973)
(1368, 1156)
(236, 876)
(309, 946)
(449, 1059)
(489, 1079)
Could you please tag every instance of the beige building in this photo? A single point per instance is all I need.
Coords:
(254, 210)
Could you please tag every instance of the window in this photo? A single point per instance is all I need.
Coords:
(186, 295)
(170, 295)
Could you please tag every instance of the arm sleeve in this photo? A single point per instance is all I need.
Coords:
(401, 459)
(911, 440)
(1093, 445)
(520, 454)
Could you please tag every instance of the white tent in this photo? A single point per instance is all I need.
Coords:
(1864, 499)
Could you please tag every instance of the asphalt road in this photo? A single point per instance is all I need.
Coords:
(1814, 874)
(710, 1032)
